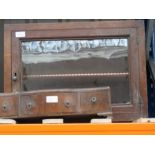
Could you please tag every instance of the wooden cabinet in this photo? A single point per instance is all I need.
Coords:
(63, 59)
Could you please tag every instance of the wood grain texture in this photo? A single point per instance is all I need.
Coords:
(133, 30)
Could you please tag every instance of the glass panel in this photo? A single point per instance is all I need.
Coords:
(50, 64)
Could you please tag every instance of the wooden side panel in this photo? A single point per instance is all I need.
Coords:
(7, 61)
(1, 54)
(142, 69)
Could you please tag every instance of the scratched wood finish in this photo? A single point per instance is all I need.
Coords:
(70, 102)
(132, 29)
(8, 105)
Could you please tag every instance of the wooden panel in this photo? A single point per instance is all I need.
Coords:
(7, 60)
(142, 69)
(14, 21)
(53, 108)
(96, 101)
(1, 54)
(30, 105)
(67, 103)
(75, 25)
(8, 105)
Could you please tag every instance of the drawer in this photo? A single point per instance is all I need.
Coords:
(65, 102)
(96, 101)
(60, 103)
(69, 102)
(8, 105)
(31, 105)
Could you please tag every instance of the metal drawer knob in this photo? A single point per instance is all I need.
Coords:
(4, 107)
(67, 104)
(29, 106)
(93, 99)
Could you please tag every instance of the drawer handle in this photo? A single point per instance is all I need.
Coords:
(93, 99)
(67, 104)
(29, 106)
(4, 107)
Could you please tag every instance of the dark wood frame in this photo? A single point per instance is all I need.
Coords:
(133, 30)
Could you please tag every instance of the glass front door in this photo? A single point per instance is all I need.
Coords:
(59, 64)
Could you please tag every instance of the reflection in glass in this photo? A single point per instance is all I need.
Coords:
(52, 51)
(54, 64)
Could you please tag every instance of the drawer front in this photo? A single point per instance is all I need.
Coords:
(97, 101)
(30, 105)
(60, 103)
(70, 103)
(67, 102)
(9, 106)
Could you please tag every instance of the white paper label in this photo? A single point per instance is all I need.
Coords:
(51, 99)
(20, 34)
